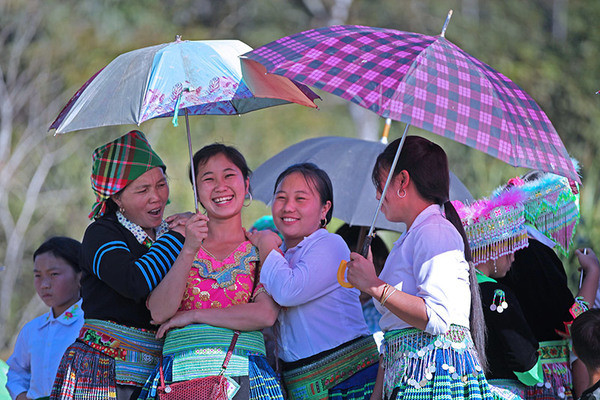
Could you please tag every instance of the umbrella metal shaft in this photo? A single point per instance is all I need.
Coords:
(192, 166)
(384, 191)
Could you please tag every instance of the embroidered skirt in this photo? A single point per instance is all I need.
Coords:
(198, 350)
(554, 356)
(421, 366)
(346, 373)
(84, 373)
(104, 355)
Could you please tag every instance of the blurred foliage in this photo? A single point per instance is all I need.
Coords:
(520, 39)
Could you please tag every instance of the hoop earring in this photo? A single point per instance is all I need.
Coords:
(250, 197)
(323, 223)
(401, 195)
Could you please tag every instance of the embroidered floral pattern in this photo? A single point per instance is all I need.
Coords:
(244, 259)
(102, 342)
(72, 312)
(219, 284)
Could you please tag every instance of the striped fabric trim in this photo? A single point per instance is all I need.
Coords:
(105, 248)
(153, 265)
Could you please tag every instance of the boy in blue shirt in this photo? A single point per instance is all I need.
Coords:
(42, 341)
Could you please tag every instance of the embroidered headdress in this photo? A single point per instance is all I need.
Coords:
(551, 206)
(495, 226)
(116, 164)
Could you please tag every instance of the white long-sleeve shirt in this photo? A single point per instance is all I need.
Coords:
(318, 314)
(39, 349)
(428, 261)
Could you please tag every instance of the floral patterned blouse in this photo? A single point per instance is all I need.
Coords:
(214, 283)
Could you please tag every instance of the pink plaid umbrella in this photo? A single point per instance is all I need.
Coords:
(425, 81)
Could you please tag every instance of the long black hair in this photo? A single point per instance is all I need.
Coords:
(427, 166)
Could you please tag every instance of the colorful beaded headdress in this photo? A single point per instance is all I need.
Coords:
(495, 226)
(552, 206)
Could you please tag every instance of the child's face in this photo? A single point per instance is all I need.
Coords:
(56, 282)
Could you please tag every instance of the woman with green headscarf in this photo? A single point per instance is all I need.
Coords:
(126, 252)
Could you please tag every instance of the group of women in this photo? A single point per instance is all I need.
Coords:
(166, 300)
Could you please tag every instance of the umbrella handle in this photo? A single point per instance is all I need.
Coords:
(341, 274)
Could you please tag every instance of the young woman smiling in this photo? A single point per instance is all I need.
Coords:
(322, 332)
(199, 305)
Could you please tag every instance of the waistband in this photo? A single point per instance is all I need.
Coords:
(197, 337)
(136, 351)
(313, 380)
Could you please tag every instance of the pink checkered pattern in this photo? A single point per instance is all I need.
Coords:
(424, 81)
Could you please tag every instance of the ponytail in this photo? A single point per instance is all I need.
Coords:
(476, 319)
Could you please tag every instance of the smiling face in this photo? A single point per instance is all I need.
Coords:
(297, 209)
(221, 187)
(144, 199)
(56, 282)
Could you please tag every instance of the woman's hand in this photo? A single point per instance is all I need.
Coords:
(265, 241)
(587, 260)
(196, 230)
(179, 320)
(361, 274)
(591, 274)
(178, 219)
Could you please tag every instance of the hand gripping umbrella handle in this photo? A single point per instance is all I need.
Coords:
(341, 274)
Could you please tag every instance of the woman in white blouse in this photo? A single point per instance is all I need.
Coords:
(323, 340)
(427, 292)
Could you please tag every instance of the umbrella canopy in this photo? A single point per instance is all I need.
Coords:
(197, 77)
(425, 81)
(349, 163)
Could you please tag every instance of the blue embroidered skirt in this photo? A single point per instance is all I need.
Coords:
(197, 351)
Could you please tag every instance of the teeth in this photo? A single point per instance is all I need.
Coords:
(222, 199)
(289, 219)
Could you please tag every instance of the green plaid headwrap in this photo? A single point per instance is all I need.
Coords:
(116, 164)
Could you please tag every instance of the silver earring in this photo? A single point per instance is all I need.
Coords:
(401, 195)
(495, 267)
(121, 210)
(250, 197)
